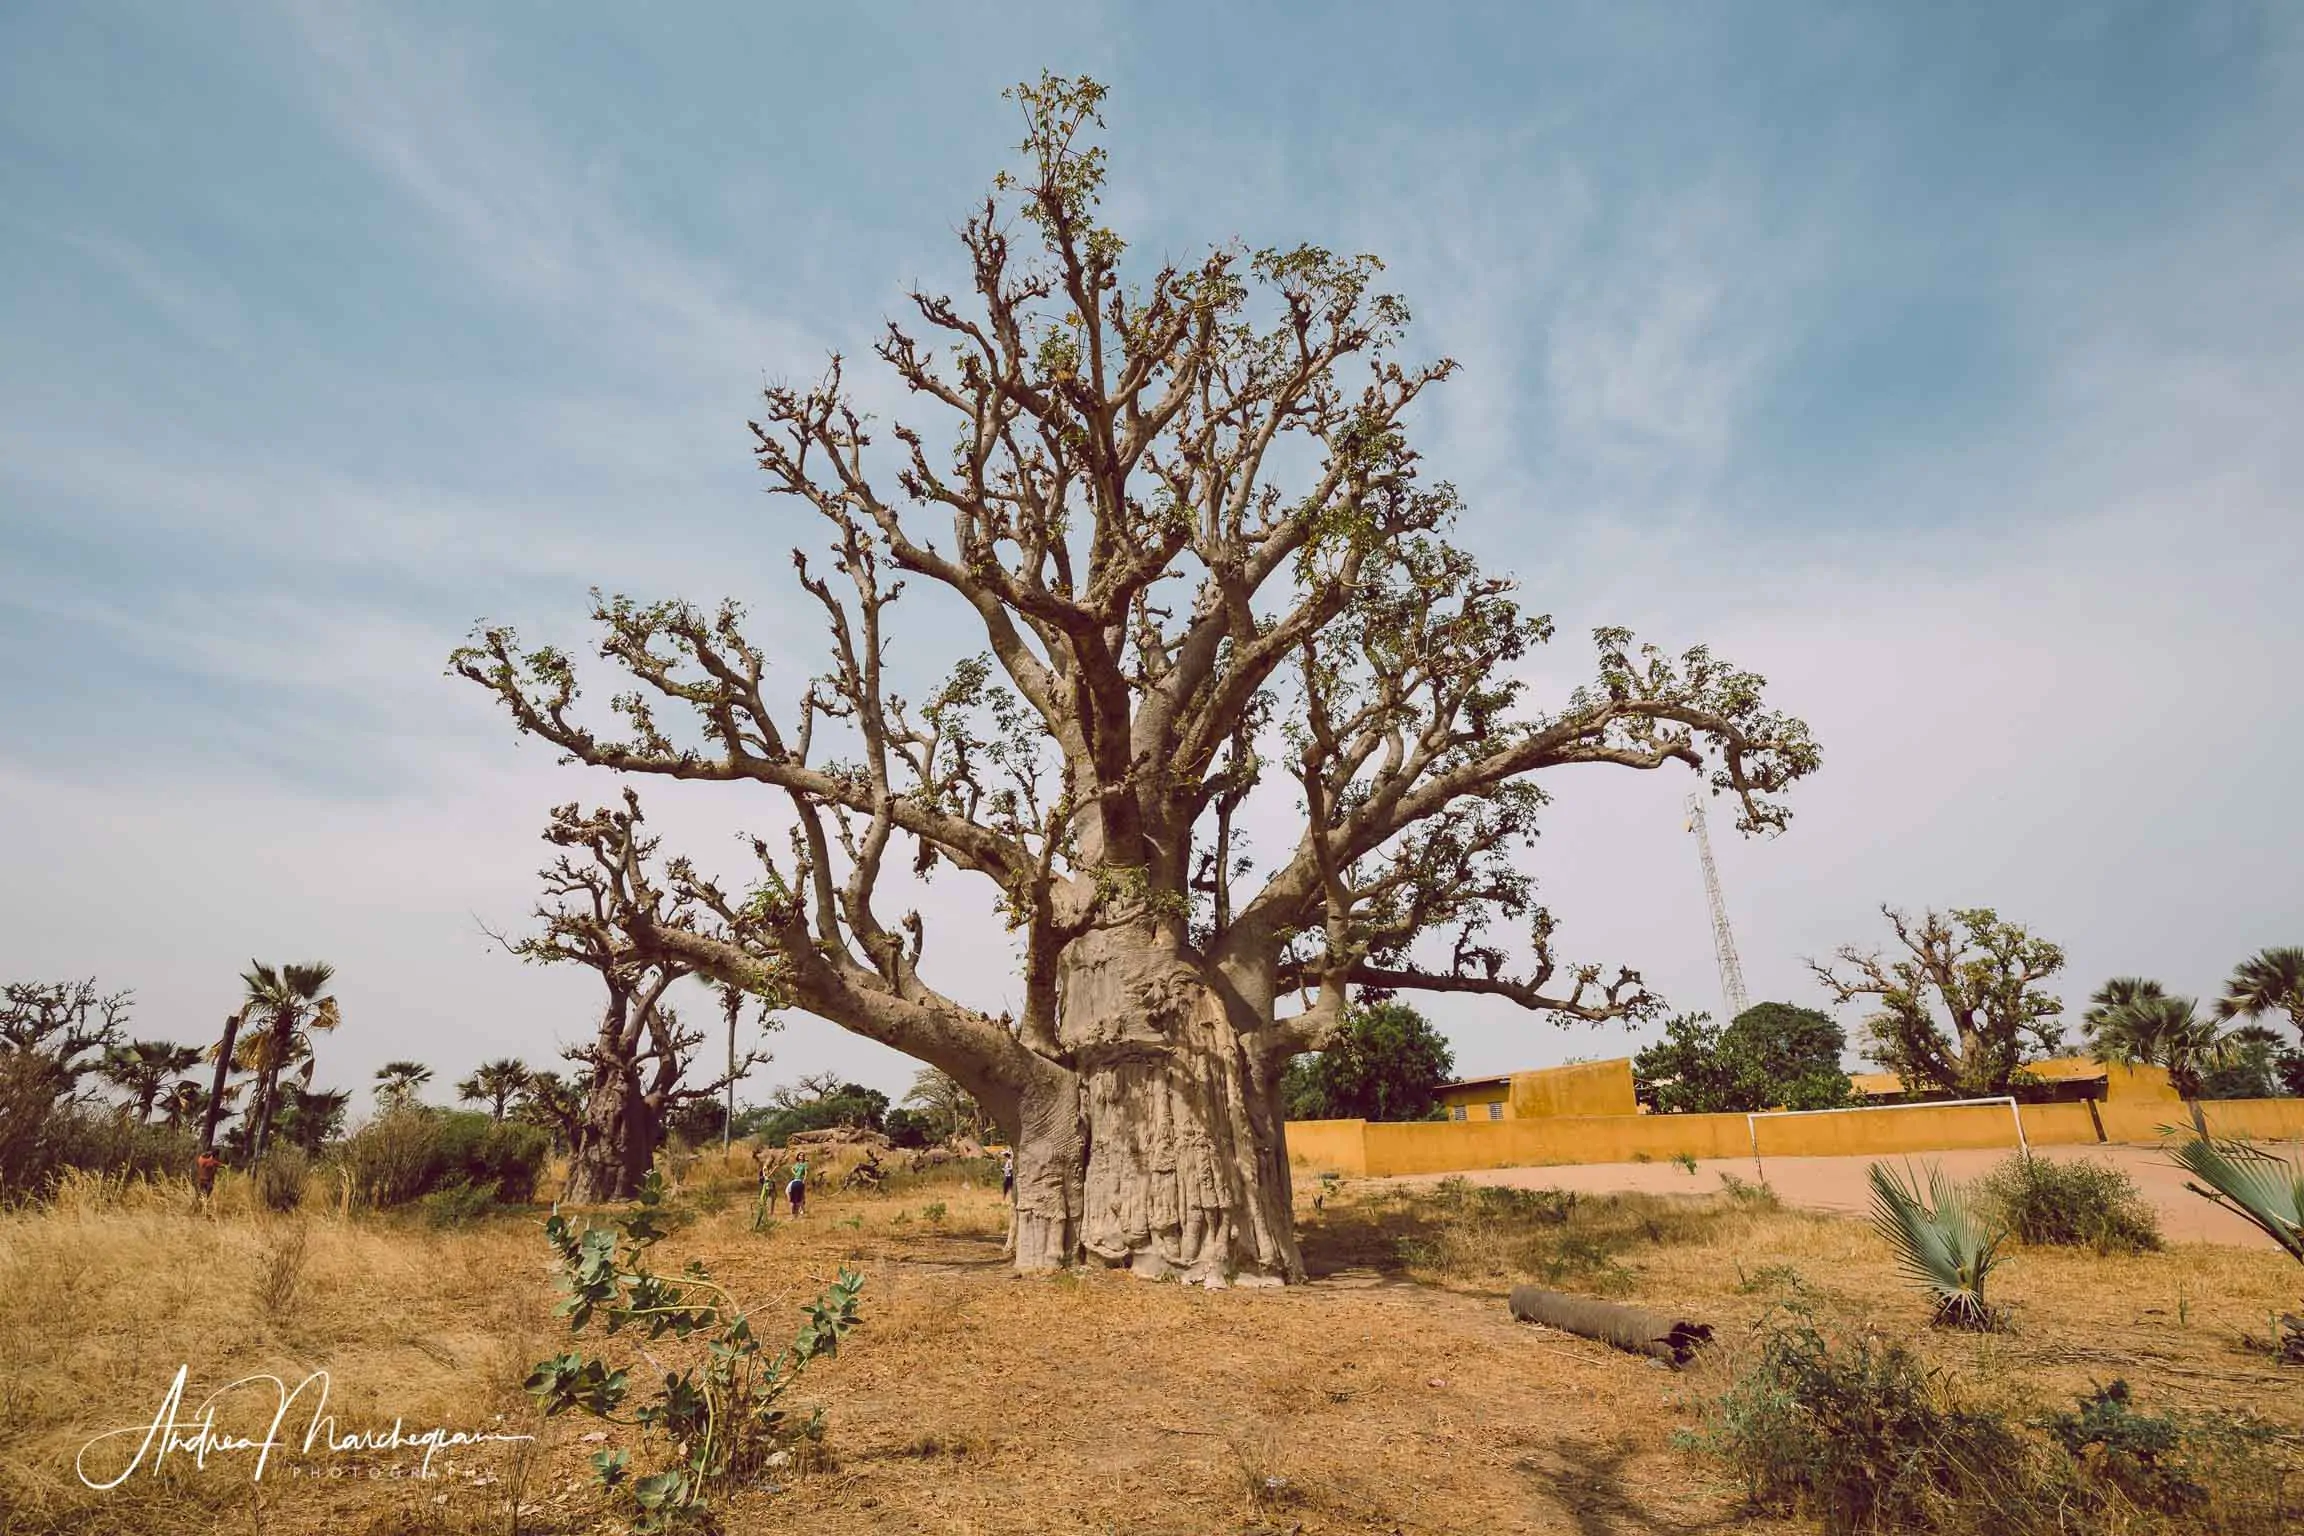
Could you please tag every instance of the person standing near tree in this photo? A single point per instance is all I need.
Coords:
(1008, 1175)
(797, 1190)
(204, 1173)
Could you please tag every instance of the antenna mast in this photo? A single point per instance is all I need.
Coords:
(1723, 942)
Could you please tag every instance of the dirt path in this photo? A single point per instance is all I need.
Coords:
(1838, 1183)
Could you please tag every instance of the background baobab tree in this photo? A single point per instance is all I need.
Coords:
(1181, 508)
(637, 1058)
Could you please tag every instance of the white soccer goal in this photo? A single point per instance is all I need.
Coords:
(1752, 1120)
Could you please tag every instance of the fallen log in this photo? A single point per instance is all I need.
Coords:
(1657, 1334)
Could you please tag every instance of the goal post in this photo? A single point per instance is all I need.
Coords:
(1753, 1118)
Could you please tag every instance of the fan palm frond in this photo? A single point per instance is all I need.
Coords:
(2251, 1183)
(1940, 1240)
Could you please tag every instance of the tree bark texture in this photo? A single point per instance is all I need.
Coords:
(1161, 1151)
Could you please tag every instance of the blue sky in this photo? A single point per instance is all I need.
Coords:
(1940, 363)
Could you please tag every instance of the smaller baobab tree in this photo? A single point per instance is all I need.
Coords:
(554, 1103)
(286, 1007)
(1983, 974)
(496, 1084)
(637, 1059)
(60, 1032)
(142, 1067)
(950, 1107)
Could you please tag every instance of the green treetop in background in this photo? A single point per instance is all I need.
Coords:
(1771, 1056)
(1386, 1063)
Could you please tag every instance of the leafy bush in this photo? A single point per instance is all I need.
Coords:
(1942, 1241)
(1859, 1435)
(721, 1424)
(2047, 1203)
(408, 1153)
(43, 1134)
(2141, 1455)
(457, 1204)
(280, 1178)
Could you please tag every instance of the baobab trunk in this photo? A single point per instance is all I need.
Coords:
(1161, 1151)
(616, 1144)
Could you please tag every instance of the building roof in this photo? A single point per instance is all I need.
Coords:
(1502, 1080)
(2063, 1069)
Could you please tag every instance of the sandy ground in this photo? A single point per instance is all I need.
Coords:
(1838, 1184)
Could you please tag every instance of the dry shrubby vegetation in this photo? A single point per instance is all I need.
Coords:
(1392, 1393)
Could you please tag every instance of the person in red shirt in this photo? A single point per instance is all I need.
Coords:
(204, 1172)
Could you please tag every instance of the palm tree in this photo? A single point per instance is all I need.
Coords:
(182, 1102)
(397, 1082)
(284, 1007)
(2252, 1183)
(309, 1117)
(2269, 981)
(2135, 1021)
(142, 1066)
(495, 1084)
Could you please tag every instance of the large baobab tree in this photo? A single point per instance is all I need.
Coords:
(1185, 514)
(637, 1057)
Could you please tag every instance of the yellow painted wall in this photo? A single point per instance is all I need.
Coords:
(1361, 1148)
(1580, 1088)
(2255, 1119)
(1328, 1146)
(2139, 1085)
(1873, 1132)
(2059, 1125)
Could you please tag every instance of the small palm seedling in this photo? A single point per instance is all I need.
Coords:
(2260, 1188)
(1940, 1240)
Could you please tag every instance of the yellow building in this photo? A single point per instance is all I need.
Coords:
(2069, 1077)
(1581, 1088)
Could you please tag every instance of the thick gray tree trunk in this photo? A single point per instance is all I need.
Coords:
(616, 1145)
(1162, 1150)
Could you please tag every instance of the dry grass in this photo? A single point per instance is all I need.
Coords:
(1394, 1393)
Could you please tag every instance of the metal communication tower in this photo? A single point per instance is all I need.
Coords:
(1723, 942)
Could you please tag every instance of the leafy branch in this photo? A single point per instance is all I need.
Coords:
(722, 1422)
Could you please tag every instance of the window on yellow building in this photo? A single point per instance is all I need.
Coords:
(1455, 1111)
(1495, 1111)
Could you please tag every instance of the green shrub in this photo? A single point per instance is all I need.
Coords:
(709, 1425)
(42, 1134)
(407, 1153)
(280, 1178)
(1859, 1435)
(457, 1204)
(2071, 1204)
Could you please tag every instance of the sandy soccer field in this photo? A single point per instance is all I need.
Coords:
(1838, 1184)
